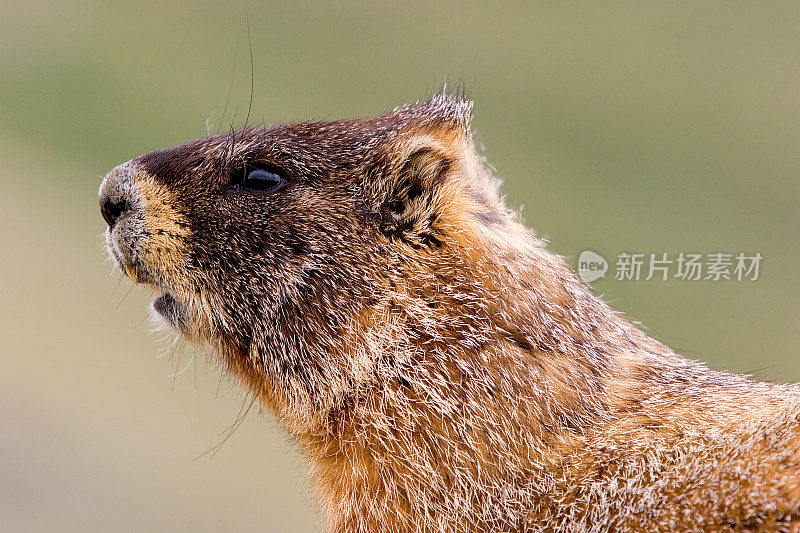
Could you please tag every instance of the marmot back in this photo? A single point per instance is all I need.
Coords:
(441, 370)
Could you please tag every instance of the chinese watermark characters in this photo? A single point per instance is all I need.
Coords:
(686, 266)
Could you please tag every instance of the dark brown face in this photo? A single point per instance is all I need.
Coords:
(276, 246)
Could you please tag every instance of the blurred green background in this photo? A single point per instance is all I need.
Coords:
(619, 127)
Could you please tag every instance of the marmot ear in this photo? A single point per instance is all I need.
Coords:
(408, 206)
(419, 175)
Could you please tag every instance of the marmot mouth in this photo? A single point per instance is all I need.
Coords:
(170, 310)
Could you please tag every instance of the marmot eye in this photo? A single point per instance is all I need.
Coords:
(261, 179)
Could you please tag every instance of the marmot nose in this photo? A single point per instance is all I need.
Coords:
(112, 209)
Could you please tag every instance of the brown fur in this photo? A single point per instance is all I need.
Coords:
(441, 370)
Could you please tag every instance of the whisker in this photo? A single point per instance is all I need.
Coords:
(171, 348)
(252, 71)
(125, 296)
(219, 384)
(175, 375)
(119, 281)
(232, 429)
(208, 123)
(228, 97)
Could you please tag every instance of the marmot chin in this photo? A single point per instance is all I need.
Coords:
(441, 370)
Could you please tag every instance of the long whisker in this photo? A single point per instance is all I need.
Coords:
(232, 429)
(227, 98)
(252, 72)
(119, 281)
(125, 296)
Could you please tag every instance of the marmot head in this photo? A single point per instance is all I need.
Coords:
(281, 247)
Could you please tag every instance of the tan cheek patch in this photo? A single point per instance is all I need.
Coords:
(167, 245)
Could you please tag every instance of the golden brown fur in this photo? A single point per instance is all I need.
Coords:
(441, 370)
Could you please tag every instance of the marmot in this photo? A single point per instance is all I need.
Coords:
(441, 370)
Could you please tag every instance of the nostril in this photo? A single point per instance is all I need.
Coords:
(112, 210)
